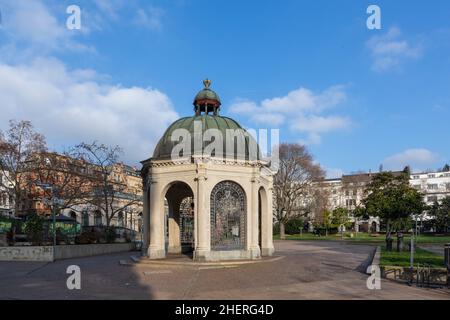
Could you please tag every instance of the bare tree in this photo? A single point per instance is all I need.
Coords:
(17, 145)
(67, 177)
(109, 193)
(320, 206)
(293, 182)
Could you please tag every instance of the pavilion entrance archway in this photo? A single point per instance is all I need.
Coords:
(179, 226)
(264, 222)
(228, 217)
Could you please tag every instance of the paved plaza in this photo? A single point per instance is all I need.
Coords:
(300, 270)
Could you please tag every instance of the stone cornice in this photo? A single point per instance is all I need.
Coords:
(206, 160)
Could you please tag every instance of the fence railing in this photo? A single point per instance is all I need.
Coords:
(15, 233)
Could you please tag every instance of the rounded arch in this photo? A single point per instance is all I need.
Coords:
(173, 183)
(374, 227)
(73, 215)
(179, 235)
(263, 208)
(262, 193)
(98, 218)
(228, 204)
(265, 214)
(85, 218)
(120, 219)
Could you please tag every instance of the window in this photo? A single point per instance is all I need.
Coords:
(447, 186)
(347, 193)
(416, 177)
(120, 219)
(432, 199)
(98, 218)
(228, 216)
(355, 192)
(187, 221)
(433, 186)
(85, 218)
(350, 202)
(431, 176)
(417, 186)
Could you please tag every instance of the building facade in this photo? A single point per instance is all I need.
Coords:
(6, 199)
(129, 198)
(434, 186)
(348, 192)
(71, 184)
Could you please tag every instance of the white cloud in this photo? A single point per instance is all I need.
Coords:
(150, 18)
(34, 24)
(391, 50)
(110, 8)
(32, 20)
(418, 159)
(319, 124)
(38, 27)
(274, 119)
(74, 106)
(301, 109)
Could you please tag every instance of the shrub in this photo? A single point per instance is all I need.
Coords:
(88, 237)
(294, 226)
(323, 231)
(110, 234)
(61, 237)
(35, 229)
(82, 239)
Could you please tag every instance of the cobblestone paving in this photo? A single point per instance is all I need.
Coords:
(308, 270)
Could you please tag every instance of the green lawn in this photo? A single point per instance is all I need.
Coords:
(367, 238)
(402, 259)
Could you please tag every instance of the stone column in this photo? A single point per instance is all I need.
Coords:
(202, 241)
(253, 228)
(146, 221)
(267, 225)
(156, 249)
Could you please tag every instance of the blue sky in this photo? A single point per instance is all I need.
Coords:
(356, 97)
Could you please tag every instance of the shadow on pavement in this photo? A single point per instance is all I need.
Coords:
(102, 277)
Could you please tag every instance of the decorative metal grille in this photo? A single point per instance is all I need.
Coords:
(187, 222)
(228, 217)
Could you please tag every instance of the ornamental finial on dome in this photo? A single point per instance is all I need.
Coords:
(207, 83)
(207, 100)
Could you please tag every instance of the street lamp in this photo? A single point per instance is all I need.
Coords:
(54, 202)
(413, 234)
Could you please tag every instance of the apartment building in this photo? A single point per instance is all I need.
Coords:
(433, 185)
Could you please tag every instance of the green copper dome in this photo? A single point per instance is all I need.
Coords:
(207, 93)
(163, 150)
(207, 101)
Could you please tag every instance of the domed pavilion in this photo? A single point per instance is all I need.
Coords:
(206, 189)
